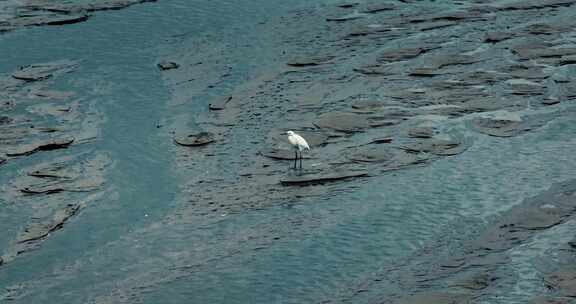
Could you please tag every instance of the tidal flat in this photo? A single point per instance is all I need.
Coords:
(143, 155)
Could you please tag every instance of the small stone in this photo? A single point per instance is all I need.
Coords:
(168, 65)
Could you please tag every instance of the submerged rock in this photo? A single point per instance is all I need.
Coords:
(506, 124)
(343, 122)
(546, 210)
(197, 139)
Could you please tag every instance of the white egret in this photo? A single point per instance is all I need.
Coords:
(299, 144)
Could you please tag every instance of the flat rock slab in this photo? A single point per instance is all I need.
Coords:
(343, 122)
(440, 61)
(494, 37)
(36, 72)
(42, 12)
(375, 70)
(535, 51)
(434, 298)
(525, 87)
(40, 230)
(197, 139)
(533, 4)
(441, 147)
(72, 6)
(524, 71)
(281, 154)
(52, 144)
(378, 7)
(507, 128)
(550, 300)
(389, 158)
(426, 71)
(321, 177)
(373, 154)
(42, 190)
(399, 54)
(347, 4)
(564, 281)
(475, 281)
(346, 17)
(60, 19)
(368, 105)
(220, 103)
(167, 65)
(421, 132)
(544, 211)
(304, 61)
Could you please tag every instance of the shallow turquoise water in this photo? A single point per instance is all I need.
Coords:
(120, 248)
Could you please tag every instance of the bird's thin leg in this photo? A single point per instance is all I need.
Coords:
(295, 158)
(300, 159)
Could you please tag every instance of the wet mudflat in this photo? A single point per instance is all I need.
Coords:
(157, 170)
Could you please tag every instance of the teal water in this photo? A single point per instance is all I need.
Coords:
(118, 250)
